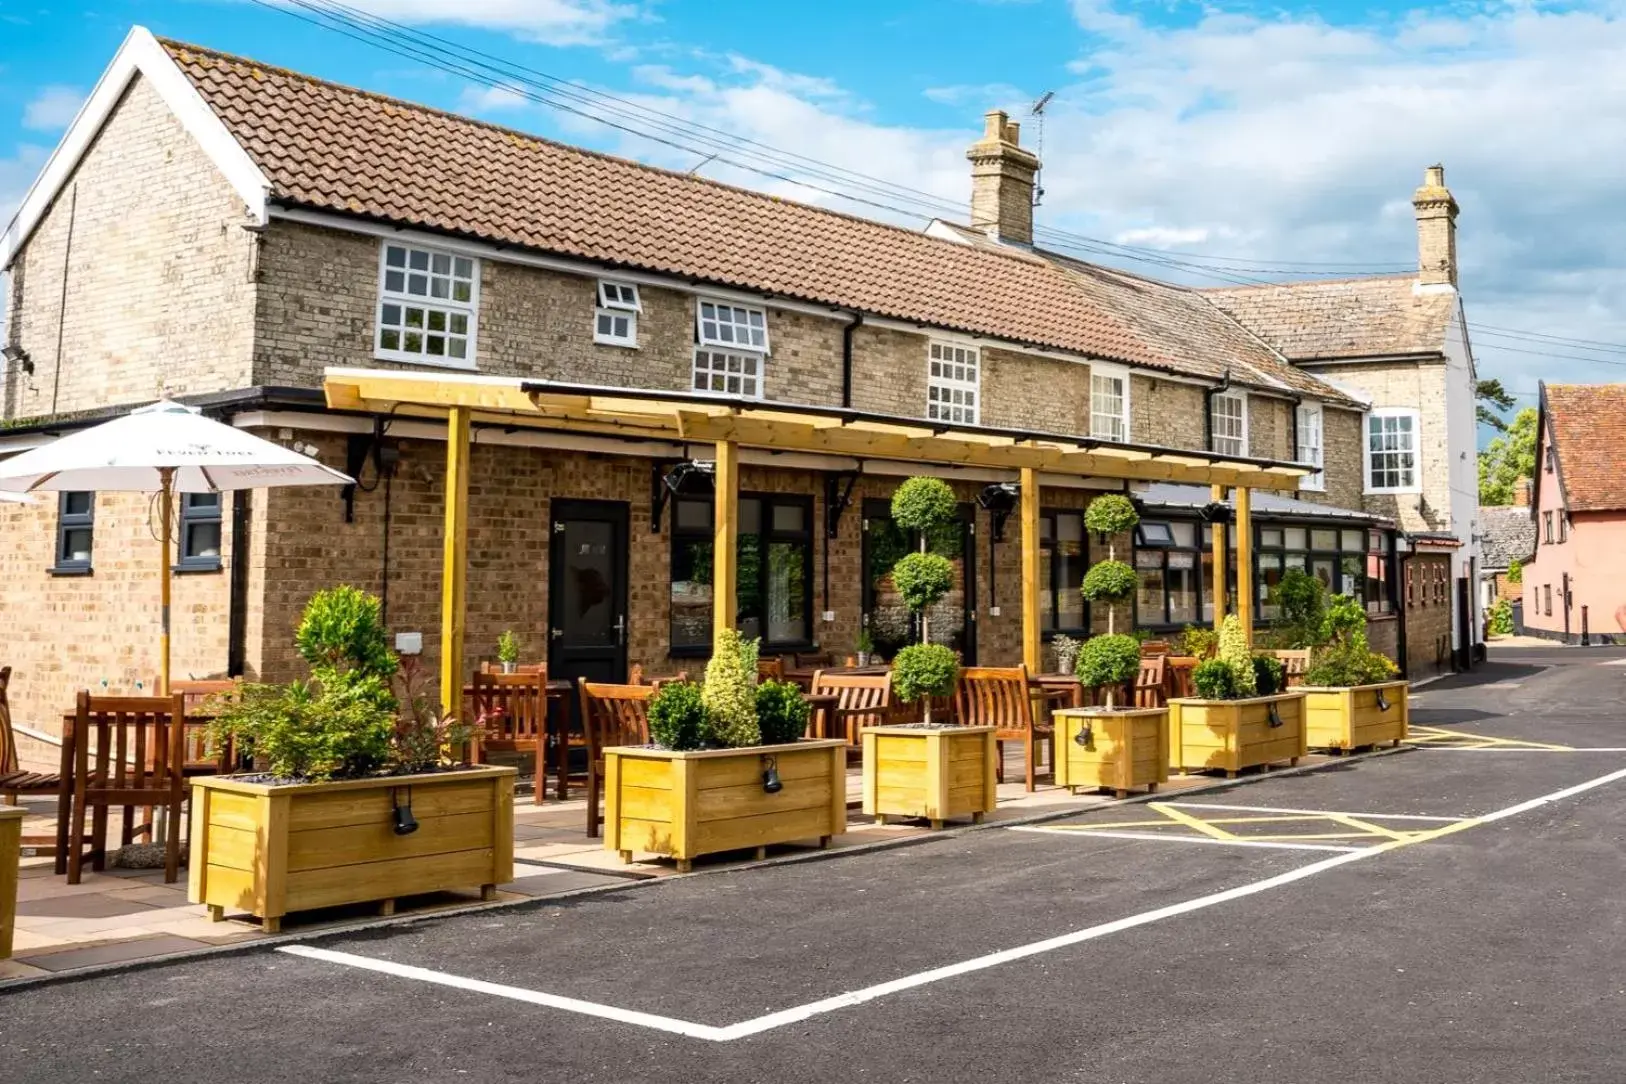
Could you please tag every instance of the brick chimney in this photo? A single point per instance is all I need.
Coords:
(1521, 493)
(1436, 230)
(1002, 180)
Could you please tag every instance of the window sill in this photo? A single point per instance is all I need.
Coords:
(184, 568)
(70, 570)
(615, 342)
(461, 364)
(1413, 491)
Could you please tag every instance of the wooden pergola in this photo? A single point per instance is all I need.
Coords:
(465, 401)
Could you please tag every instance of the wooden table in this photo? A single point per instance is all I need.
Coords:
(804, 675)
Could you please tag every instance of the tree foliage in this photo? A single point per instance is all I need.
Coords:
(781, 712)
(343, 630)
(922, 503)
(924, 670)
(1515, 571)
(677, 716)
(1234, 653)
(922, 579)
(730, 692)
(1490, 398)
(1111, 513)
(1108, 581)
(1108, 661)
(1507, 459)
(1303, 602)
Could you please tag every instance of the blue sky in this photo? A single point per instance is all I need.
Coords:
(1256, 133)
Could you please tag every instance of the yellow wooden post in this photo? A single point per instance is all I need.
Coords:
(454, 561)
(1030, 569)
(1244, 561)
(1221, 584)
(725, 543)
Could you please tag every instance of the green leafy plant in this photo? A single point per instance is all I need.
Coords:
(1107, 662)
(1110, 582)
(922, 579)
(866, 643)
(1515, 571)
(1269, 675)
(1345, 620)
(1235, 653)
(306, 731)
(924, 671)
(1110, 514)
(730, 693)
(424, 737)
(1302, 599)
(1347, 665)
(677, 717)
(1199, 641)
(342, 630)
(920, 504)
(508, 647)
(1501, 618)
(782, 712)
(1066, 649)
(1214, 680)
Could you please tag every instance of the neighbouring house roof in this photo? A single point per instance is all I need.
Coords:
(1174, 496)
(1507, 534)
(1376, 316)
(1587, 426)
(337, 149)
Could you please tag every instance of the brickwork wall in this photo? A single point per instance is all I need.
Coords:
(158, 296)
(1421, 387)
(99, 631)
(1023, 391)
(1166, 412)
(1270, 433)
(1427, 599)
(1341, 453)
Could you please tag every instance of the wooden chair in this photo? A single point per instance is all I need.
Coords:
(1000, 697)
(1177, 676)
(1295, 664)
(514, 708)
(128, 751)
(611, 715)
(861, 700)
(812, 660)
(1150, 648)
(200, 698)
(772, 669)
(15, 781)
(1150, 683)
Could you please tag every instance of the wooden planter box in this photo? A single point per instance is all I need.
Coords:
(702, 801)
(11, 838)
(270, 850)
(936, 774)
(1235, 734)
(1351, 718)
(1129, 748)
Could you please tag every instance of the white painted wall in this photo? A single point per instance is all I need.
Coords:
(1462, 446)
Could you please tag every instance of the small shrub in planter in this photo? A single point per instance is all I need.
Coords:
(677, 717)
(1302, 599)
(924, 670)
(1214, 680)
(1110, 514)
(1066, 649)
(1109, 661)
(730, 692)
(1199, 642)
(343, 630)
(1269, 675)
(781, 712)
(1235, 653)
(508, 650)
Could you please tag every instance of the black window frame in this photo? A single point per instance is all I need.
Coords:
(1048, 540)
(68, 522)
(769, 535)
(191, 516)
(1164, 550)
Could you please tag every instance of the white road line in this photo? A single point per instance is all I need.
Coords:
(1315, 812)
(1170, 837)
(909, 982)
(1435, 748)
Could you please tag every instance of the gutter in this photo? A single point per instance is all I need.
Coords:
(1208, 409)
(212, 403)
(847, 359)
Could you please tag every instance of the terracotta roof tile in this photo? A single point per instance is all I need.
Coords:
(1588, 424)
(334, 148)
(1345, 318)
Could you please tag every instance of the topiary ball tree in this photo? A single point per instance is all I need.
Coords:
(1110, 582)
(924, 671)
(920, 504)
(1111, 514)
(1107, 662)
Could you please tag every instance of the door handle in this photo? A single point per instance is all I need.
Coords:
(621, 629)
(556, 634)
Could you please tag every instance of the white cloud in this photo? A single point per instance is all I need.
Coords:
(52, 108)
(483, 101)
(552, 22)
(977, 95)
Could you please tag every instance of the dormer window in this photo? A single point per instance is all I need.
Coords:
(732, 348)
(615, 321)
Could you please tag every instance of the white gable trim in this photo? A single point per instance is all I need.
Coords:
(139, 54)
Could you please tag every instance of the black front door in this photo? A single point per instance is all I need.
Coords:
(587, 591)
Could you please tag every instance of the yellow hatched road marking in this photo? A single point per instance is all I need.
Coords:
(1182, 817)
(1171, 815)
(1423, 735)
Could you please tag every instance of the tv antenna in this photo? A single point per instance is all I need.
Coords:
(1038, 111)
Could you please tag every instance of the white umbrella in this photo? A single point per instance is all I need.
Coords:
(166, 448)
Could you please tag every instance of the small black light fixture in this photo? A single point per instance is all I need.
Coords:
(1273, 715)
(405, 822)
(1215, 512)
(691, 478)
(771, 783)
(1085, 735)
(16, 355)
(999, 501)
(1383, 701)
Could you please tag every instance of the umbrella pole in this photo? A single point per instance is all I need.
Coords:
(166, 500)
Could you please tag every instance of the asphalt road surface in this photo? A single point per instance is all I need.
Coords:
(1448, 914)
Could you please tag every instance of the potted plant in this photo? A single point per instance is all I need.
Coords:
(865, 646)
(352, 798)
(1110, 581)
(929, 769)
(1352, 696)
(1232, 723)
(508, 651)
(727, 770)
(1066, 649)
(1119, 748)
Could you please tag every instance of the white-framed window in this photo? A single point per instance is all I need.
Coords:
(615, 320)
(1310, 450)
(1109, 406)
(1230, 423)
(427, 305)
(732, 327)
(728, 372)
(952, 383)
(1392, 445)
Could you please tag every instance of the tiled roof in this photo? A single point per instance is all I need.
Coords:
(1588, 423)
(1508, 534)
(334, 148)
(1345, 318)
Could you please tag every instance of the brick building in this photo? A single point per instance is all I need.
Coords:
(224, 232)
